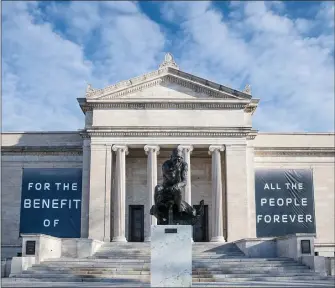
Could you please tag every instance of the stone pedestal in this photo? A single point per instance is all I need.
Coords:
(171, 256)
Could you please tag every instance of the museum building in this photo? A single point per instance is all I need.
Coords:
(99, 182)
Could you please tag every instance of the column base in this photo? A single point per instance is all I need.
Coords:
(119, 239)
(218, 239)
(107, 239)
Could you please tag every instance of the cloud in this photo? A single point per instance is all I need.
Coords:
(291, 71)
(49, 52)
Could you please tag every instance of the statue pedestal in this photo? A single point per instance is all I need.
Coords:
(171, 256)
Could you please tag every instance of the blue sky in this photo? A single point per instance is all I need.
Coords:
(51, 50)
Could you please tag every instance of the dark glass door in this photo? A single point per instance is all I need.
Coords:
(136, 223)
(200, 230)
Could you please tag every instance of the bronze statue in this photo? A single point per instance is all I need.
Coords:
(169, 207)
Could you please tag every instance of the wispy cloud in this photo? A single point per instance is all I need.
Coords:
(291, 72)
(51, 49)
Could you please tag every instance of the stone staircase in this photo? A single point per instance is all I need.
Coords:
(128, 264)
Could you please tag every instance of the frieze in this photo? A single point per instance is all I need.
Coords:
(294, 152)
(164, 134)
(42, 150)
(161, 105)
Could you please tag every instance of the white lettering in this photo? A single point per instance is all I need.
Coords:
(259, 218)
(26, 203)
(276, 218)
(76, 200)
(46, 223)
(58, 184)
(292, 217)
(47, 186)
(266, 186)
(280, 201)
(54, 203)
(46, 203)
(69, 203)
(288, 201)
(263, 201)
(300, 186)
(62, 203)
(36, 203)
(309, 218)
(284, 218)
(66, 186)
(267, 217)
(300, 218)
(30, 185)
(56, 222)
(74, 186)
(38, 186)
(303, 201)
(287, 185)
(272, 201)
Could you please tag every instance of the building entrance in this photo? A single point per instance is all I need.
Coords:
(200, 230)
(136, 223)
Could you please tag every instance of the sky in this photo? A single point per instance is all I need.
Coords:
(284, 50)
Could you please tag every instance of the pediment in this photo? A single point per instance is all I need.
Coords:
(166, 83)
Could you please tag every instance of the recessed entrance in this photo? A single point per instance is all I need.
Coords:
(136, 223)
(200, 230)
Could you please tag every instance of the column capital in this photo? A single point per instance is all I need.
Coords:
(214, 148)
(153, 148)
(123, 148)
(188, 148)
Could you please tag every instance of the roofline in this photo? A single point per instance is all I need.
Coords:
(43, 132)
(297, 133)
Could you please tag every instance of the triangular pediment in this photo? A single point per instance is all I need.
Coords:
(166, 83)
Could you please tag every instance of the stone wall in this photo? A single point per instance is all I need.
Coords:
(304, 151)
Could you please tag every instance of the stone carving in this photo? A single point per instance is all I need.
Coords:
(169, 62)
(247, 89)
(169, 208)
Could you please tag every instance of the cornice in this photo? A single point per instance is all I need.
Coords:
(162, 76)
(163, 104)
(295, 151)
(166, 132)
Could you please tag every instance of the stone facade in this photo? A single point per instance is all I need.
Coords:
(130, 129)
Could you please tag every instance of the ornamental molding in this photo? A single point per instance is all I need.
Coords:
(161, 77)
(42, 151)
(295, 151)
(140, 105)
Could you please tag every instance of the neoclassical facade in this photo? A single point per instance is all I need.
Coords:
(131, 128)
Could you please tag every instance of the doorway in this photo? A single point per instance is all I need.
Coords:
(200, 229)
(136, 223)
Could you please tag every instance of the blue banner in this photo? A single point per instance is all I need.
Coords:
(284, 202)
(51, 202)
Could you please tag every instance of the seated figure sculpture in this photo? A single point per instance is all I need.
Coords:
(169, 208)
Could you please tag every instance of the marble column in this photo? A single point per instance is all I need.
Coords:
(217, 197)
(120, 194)
(99, 192)
(187, 150)
(152, 151)
(85, 188)
(108, 193)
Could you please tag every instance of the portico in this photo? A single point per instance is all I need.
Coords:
(132, 126)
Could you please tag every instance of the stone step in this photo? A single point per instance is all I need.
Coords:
(87, 277)
(270, 278)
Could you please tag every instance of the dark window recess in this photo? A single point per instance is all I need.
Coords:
(305, 246)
